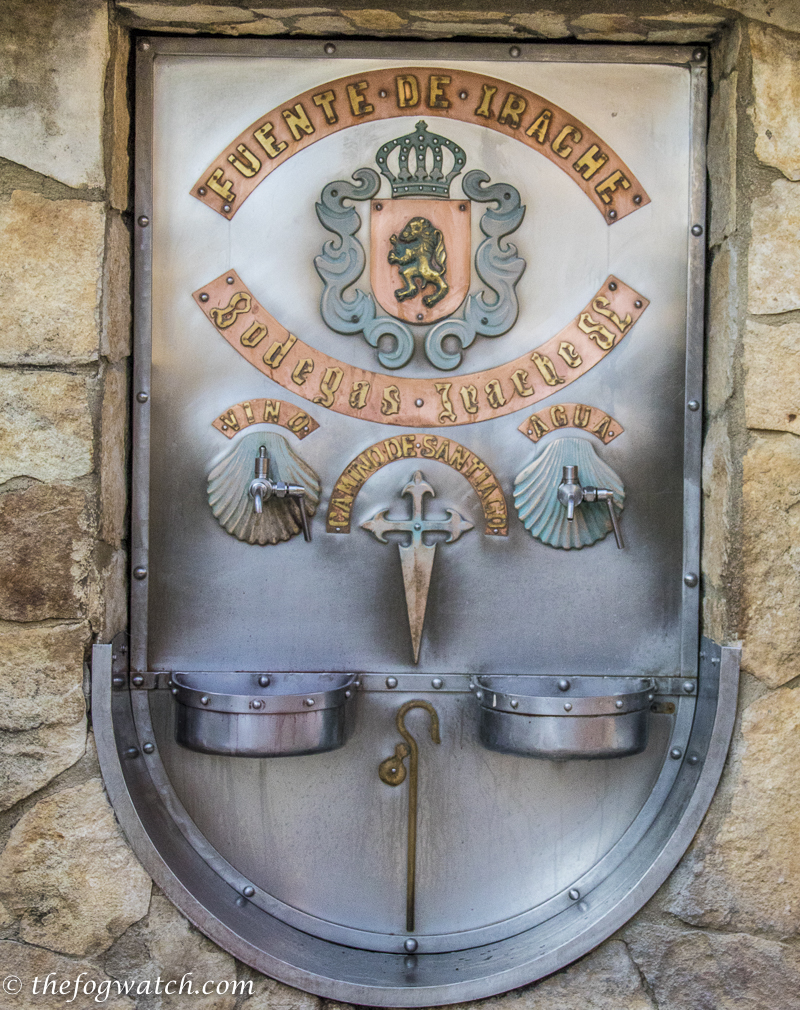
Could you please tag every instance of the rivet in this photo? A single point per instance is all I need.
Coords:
(227, 208)
(224, 427)
(330, 48)
(612, 286)
(248, 891)
(174, 690)
(563, 684)
(420, 316)
(256, 703)
(514, 703)
(123, 648)
(437, 683)
(138, 680)
(567, 706)
(574, 893)
(202, 191)
(479, 695)
(356, 683)
(637, 199)
(688, 687)
(204, 297)
(417, 526)
(411, 945)
(378, 206)
(462, 206)
(693, 759)
(309, 702)
(693, 404)
(530, 431)
(382, 93)
(676, 753)
(418, 403)
(637, 304)
(144, 46)
(697, 229)
(582, 906)
(148, 748)
(484, 321)
(463, 95)
(411, 961)
(204, 700)
(698, 55)
(619, 703)
(142, 397)
(690, 579)
(651, 697)
(140, 573)
(144, 221)
(118, 681)
(263, 680)
(347, 694)
(229, 280)
(391, 682)
(612, 215)
(418, 445)
(132, 752)
(514, 51)
(715, 659)
(240, 901)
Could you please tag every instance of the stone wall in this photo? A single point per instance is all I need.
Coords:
(723, 932)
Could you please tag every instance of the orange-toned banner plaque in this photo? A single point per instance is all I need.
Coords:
(368, 462)
(262, 411)
(430, 91)
(571, 415)
(425, 403)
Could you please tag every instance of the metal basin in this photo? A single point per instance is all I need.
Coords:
(564, 718)
(262, 715)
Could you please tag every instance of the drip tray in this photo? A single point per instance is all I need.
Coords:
(262, 714)
(565, 718)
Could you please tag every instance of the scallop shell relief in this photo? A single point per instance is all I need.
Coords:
(229, 481)
(536, 501)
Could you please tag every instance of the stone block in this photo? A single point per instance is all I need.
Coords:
(50, 277)
(52, 64)
(42, 707)
(45, 550)
(717, 476)
(745, 873)
(774, 269)
(211, 14)
(723, 305)
(377, 20)
(119, 120)
(772, 376)
(619, 27)
(776, 108)
(770, 558)
(115, 339)
(291, 12)
(693, 970)
(69, 875)
(46, 430)
(548, 24)
(474, 15)
(722, 159)
(324, 25)
(26, 963)
(113, 468)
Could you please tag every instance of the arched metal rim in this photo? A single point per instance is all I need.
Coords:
(378, 979)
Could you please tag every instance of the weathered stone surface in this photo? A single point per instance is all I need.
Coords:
(271, 995)
(115, 339)
(113, 470)
(681, 36)
(379, 20)
(290, 12)
(52, 66)
(42, 708)
(108, 597)
(772, 376)
(746, 875)
(687, 17)
(50, 275)
(46, 430)
(28, 963)
(693, 970)
(776, 110)
(548, 24)
(774, 273)
(722, 158)
(166, 945)
(717, 477)
(324, 25)
(190, 13)
(117, 158)
(608, 26)
(722, 327)
(770, 561)
(781, 13)
(478, 15)
(44, 553)
(69, 874)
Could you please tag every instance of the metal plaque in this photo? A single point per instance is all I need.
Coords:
(414, 707)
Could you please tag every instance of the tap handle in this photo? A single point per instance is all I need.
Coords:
(614, 523)
(262, 463)
(301, 502)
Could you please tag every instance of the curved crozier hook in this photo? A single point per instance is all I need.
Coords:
(401, 724)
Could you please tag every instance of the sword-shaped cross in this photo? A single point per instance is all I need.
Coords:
(417, 557)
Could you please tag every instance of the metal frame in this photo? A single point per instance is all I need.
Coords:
(210, 892)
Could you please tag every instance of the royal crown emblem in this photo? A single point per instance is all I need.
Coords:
(420, 253)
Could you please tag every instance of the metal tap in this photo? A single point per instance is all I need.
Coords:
(571, 494)
(262, 488)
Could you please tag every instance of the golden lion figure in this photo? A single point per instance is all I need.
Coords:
(420, 253)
